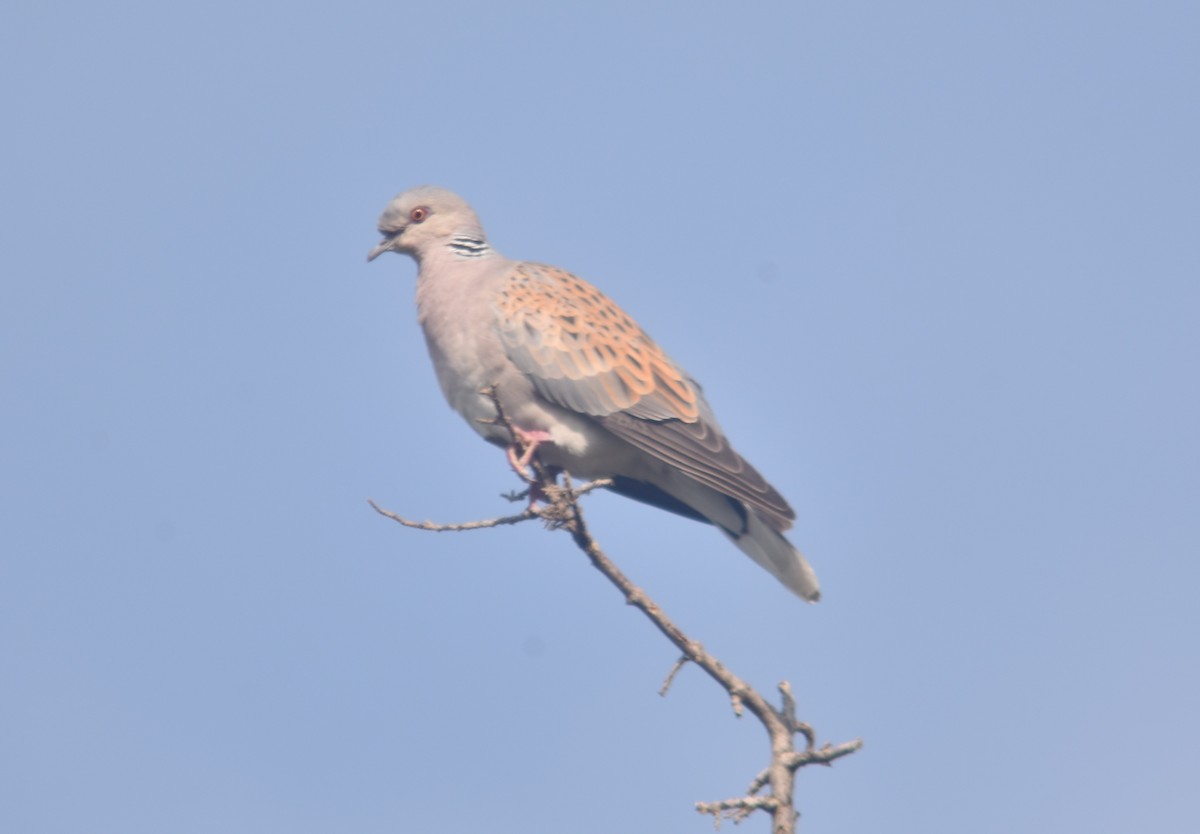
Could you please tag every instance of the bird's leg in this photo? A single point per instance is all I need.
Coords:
(528, 441)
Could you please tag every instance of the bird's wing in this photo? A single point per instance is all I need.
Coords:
(583, 353)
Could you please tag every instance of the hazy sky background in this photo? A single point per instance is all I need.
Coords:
(937, 266)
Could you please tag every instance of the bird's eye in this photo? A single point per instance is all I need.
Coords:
(418, 214)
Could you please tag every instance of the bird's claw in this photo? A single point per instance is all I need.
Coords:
(528, 441)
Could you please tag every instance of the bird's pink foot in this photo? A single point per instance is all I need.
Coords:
(528, 441)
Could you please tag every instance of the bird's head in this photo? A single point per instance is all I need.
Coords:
(422, 218)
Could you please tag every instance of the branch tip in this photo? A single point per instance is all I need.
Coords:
(679, 664)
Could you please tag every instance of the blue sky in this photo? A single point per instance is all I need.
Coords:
(936, 265)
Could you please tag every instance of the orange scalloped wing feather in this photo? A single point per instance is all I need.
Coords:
(584, 353)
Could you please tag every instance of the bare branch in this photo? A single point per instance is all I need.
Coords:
(736, 809)
(679, 664)
(455, 528)
(562, 511)
(825, 756)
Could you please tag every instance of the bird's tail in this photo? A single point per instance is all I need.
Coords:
(770, 549)
(753, 536)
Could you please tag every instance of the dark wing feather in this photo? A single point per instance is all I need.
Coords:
(702, 452)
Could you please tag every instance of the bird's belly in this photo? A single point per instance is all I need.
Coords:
(463, 388)
(466, 366)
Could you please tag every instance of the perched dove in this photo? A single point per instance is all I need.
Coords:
(580, 381)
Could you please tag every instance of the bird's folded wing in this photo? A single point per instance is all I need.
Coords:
(584, 353)
(702, 453)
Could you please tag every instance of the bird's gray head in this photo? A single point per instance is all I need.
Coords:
(426, 217)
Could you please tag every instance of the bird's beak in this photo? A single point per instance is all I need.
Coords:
(385, 245)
